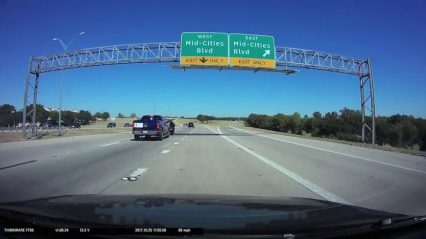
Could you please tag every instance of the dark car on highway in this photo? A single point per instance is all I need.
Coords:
(151, 126)
(190, 125)
(51, 124)
(75, 125)
(111, 125)
(127, 125)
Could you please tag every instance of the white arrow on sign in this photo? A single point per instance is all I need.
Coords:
(267, 52)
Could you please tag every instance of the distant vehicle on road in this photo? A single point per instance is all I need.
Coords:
(127, 125)
(51, 124)
(185, 125)
(190, 125)
(75, 125)
(111, 125)
(151, 125)
(172, 127)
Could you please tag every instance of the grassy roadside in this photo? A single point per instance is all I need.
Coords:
(213, 122)
(10, 136)
(102, 124)
(99, 127)
(17, 136)
(380, 147)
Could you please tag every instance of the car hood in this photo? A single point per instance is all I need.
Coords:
(217, 213)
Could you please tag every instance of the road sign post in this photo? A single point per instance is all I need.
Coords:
(246, 50)
(204, 48)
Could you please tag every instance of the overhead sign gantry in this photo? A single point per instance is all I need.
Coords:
(211, 50)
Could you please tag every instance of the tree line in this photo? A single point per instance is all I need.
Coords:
(396, 130)
(10, 116)
(209, 118)
(120, 115)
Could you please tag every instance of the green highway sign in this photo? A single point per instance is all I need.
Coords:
(222, 49)
(248, 50)
(204, 48)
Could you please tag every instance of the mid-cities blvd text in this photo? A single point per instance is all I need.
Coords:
(104, 231)
(204, 43)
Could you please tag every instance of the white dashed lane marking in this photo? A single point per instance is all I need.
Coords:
(104, 145)
(165, 151)
(138, 172)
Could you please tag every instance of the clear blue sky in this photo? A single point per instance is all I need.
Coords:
(391, 33)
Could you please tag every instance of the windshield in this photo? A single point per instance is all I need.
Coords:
(321, 100)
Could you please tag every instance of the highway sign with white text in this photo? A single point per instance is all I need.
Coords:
(204, 48)
(248, 50)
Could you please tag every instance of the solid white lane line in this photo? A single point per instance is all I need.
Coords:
(138, 172)
(104, 145)
(295, 177)
(165, 151)
(176, 142)
(212, 129)
(334, 152)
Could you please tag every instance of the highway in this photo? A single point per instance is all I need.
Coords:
(209, 159)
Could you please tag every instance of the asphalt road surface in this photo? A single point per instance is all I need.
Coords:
(212, 160)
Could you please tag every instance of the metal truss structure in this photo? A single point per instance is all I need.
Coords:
(169, 52)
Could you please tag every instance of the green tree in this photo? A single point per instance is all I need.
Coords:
(200, 118)
(120, 115)
(41, 113)
(204, 118)
(316, 123)
(421, 127)
(6, 109)
(68, 117)
(395, 136)
(409, 132)
(133, 115)
(7, 115)
(316, 115)
(308, 125)
(396, 130)
(54, 115)
(85, 116)
(383, 129)
(279, 122)
(329, 125)
(105, 115)
(294, 123)
(350, 121)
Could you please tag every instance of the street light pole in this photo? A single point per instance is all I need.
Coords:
(65, 47)
(60, 101)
